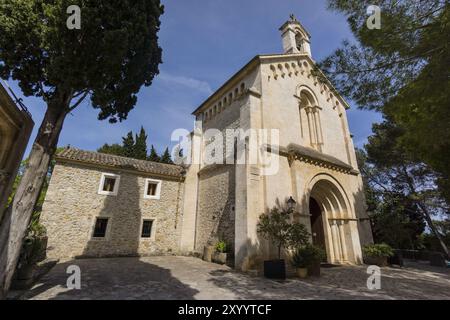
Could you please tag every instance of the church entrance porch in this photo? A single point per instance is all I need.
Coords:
(317, 229)
(333, 222)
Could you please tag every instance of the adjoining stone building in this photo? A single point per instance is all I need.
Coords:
(210, 202)
(106, 205)
(16, 125)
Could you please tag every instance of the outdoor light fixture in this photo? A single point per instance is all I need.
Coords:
(291, 204)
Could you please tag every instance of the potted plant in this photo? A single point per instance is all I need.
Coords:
(275, 227)
(299, 262)
(377, 254)
(310, 256)
(220, 256)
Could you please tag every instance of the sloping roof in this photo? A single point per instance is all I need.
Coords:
(103, 159)
(257, 60)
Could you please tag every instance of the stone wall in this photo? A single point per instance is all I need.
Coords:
(73, 203)
(215, 218)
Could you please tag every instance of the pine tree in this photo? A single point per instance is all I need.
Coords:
(128, 145)
(114, 148)
(140, 147)
(166, 158)
(153, 155)
(107, 63)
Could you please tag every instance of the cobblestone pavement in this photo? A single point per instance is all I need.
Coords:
(191, 278)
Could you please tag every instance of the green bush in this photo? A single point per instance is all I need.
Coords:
(308, 255)
(221, 246)
(378, 250)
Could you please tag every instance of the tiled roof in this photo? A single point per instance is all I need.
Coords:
(120, 162)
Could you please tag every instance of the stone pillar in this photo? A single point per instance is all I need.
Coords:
(310, 127)
(341, 226)
(336, 242)
(190, 197)
(318, 128)
(248, 182)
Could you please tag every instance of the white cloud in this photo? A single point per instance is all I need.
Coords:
(191, 83)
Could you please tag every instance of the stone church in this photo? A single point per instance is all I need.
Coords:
(105, 205)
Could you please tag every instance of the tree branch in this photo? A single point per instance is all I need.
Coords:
(76, 104)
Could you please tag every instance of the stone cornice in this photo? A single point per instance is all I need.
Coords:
(307, 155)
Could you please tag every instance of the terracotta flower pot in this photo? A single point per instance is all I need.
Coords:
(377, 261)
(219, 257)
(302, 272)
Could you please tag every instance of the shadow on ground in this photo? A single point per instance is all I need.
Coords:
(113, 279)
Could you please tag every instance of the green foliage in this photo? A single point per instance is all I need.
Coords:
(298, 235)
(276, 226)
(307, 255)
(378, 250)
(402, 71)
(221, 246)
(136, 147)
(166, 158)
(140, 146)
(153, 155)
(128, 145)
(113, 54)
(115, 149)
(401, 191)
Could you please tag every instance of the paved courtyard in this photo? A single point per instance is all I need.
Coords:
(191, 278)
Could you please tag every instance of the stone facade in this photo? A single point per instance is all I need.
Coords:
(73, 203)
(316, 161)
(217, 198)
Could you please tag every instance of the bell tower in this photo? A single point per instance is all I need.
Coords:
(295, 37)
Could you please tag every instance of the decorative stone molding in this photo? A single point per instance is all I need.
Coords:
(307, 155)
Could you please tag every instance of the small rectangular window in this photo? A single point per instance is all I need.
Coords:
(151, 188)
(109, 183)
(100, 227)
(147, 228)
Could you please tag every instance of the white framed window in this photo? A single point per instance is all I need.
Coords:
(148, 226)
(109, 184)
(152, 189)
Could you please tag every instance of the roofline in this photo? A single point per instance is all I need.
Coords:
(231, 79)
(60, 159)
(247, 67)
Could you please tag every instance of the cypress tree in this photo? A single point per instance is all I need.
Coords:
(128, 145)
(165, 158)
(140, 147)
(153, 155)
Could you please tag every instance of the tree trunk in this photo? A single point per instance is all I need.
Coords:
(434, 230)
(425, 213)
(17, 217)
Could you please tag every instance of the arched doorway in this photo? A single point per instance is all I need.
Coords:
(333, 223)
(317, 227)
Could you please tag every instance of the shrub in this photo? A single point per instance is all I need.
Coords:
(275, 227)
(221, 246)
(378, 250)
(298, 235)
(308, 255)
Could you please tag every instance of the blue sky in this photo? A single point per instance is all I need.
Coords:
(205, 42)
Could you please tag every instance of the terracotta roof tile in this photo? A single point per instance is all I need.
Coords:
(120, 162)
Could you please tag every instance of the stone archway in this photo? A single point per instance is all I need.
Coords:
(339, 233)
